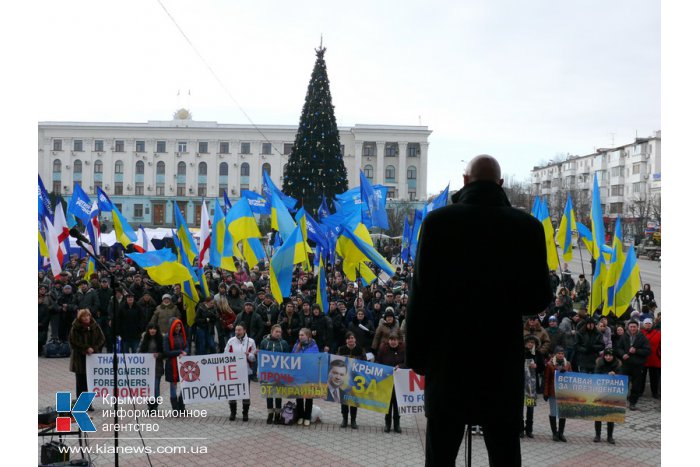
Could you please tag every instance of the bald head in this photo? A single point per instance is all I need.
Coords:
(483, 168)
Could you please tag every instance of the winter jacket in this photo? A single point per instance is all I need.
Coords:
(82, 338)
(163, 316)
(356, 352)
(603, 368)
(338, 326)
(381, 335)
(309, 347)
(541, 334)
(87, 299)
(569, 338)
(173, 346)
(290, 327)
(245, 345)
(255, 327)
(323, 326)
(153, 344)
(364, 338)
(549, 370)
(589, 344)
(654, 337)
(131, 321)
(206, 318)
(639, 357)
(391, 356)
(274, 345)
(556, 338)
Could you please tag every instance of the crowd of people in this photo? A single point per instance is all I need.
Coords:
(363, 322)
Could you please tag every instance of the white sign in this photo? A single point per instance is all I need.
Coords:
(409, 387)
(136, 375)
(207, 378)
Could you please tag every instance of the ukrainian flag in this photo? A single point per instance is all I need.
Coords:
(123, 231)
(282, 265)
(189, 247)
(564, 236)
(162, 266)
(598, 285)
(280, 218)
(614, 269)
(597, 226)
(321, 293)
(241, 222)
(628, 284)
(543, 217)
(356, 248)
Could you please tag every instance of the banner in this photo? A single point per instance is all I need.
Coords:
(358, 383)
(293, 375)
(215, 377)
(409, 387)
(136, 375)
(591, 397)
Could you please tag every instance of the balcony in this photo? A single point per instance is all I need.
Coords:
(619, 180)
(640, 156)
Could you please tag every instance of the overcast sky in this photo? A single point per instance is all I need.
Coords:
(522, 80)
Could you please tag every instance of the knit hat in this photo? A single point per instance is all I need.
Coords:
(389, 312)
(648, 320)
(166, 295)
(553, 318)
(558, 349)
(608, 352)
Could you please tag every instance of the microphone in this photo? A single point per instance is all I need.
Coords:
(75, 233)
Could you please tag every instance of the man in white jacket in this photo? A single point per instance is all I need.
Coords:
(241, 343)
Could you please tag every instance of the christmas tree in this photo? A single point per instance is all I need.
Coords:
(316, 165)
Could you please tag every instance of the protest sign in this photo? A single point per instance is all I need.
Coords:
(359, 383)
(591, 397)
(136, 375)
(292, 375)
(207, 378)
(409, 387)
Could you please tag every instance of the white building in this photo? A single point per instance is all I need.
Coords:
(144, 167)
(629, 178)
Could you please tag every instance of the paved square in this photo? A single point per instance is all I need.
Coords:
(257, 444)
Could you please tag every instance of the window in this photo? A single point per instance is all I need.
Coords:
(160, 146)
(617, 190)
(288, 148)
(222, 190)
(77, 167)
(58, 145)
(245, 148)
(391, 193)
(138, 188)
(119, 167)
(223, 147)
(160, 168)
(636, 168)
(203, 147)
(181, 168)
(78, 145)
(266, 168)
(139, 167)
(160, 189)
(369, 171)
(97, 168)
(202, 168)
(223, 168)
(182, 146)
(95, 185)
(245, 169)
(57, 166)
(119, 145)
(245, 186)
(638, 187)
(180, 189)
(390, 172)
(412, 195)
(616, 208)
(411, 173)
(413, 149)
(140, 146)
(267, 148)
(202, 189)
(616, 171)
(342, 150)
(369, 149)
(99, 145)
(138, 210)
(391, 150)
(56, 186)
(118, 188)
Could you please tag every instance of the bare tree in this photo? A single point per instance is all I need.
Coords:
(395, 215)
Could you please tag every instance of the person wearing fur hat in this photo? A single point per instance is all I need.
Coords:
(165, 312)
(560, 364)
(608, 364)
(85, 338)
(387, 325)
(589, 344)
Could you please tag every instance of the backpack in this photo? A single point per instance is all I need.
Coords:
(288, 413)
(56, 349)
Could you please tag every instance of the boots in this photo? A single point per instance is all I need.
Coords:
(598, 427)
(270, 414)
(611, 427)
(345, 421)
(528, 428)
(387, 423)
(353, 424)
(562, 424)
(278, 418)
(181, 406)
(174, 403)
(553, 426)
(397, 425)
(246, 407)
(233, 406)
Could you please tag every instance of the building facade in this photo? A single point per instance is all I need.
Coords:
(145, 167)
(629, 178)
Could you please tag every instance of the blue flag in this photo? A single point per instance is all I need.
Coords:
(79, 207)
(323, 210)
(373, 205)
(268, 187)
(227, 203)
(405, 240)
(417, 221)
(45, 209)
(258, 203)
(439, 201)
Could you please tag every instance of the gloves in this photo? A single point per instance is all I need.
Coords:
(546, 398)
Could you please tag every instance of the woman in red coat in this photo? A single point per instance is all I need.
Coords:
(653, 363)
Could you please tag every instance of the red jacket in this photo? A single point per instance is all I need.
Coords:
(654, 359)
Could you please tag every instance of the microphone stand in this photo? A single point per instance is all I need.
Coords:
(113, 283)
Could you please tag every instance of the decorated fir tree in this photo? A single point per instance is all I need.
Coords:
(316, 165)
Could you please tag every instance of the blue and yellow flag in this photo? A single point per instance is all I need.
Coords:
(356, 249)
(123, 231)
(253, 251)
(189, 247)
(543, 217)
(221, 247)
(567, 224)
(614, 269)
(162, 266)
(282, 265)
(598, 285)
(321, 293)
(628, 284)
(281, 219)
(536, 207)
(405, 240)
(597, 226)
(241, 222)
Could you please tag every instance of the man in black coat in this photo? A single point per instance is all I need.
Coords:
(462, 247)
(632, 349)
